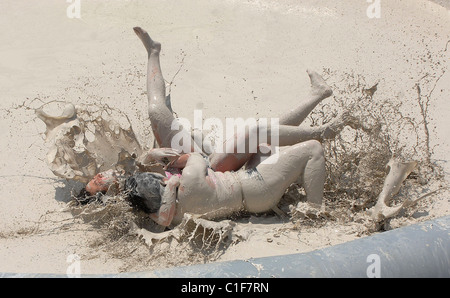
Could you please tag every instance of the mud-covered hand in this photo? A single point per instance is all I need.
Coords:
(162, 156)
(168, 206)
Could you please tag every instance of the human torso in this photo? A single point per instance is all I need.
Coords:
(216, 195)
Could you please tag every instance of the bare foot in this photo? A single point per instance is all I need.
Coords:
(151, 45)
(318, 85)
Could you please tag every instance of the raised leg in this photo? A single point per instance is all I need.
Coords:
(156, 87)
(319, 91)
(289, 132)
(165, 127)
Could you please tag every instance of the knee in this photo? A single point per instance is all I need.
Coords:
(315, 149)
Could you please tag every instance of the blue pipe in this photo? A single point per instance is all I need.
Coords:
(419, 250)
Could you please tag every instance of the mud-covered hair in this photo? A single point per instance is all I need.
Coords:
(145, 191)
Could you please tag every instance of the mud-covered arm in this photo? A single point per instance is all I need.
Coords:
(193, 172)
(167, 210)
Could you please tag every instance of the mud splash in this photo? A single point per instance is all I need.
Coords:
(84, 141)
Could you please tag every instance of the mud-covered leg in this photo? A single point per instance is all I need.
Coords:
(289, 131)
(304, 162)
(164, 125)
(319, 91)
(156, 88)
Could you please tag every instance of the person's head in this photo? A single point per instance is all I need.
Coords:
(145, 191)
(102, 182)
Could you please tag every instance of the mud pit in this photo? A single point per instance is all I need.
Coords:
(77, 137)
(96, 63)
